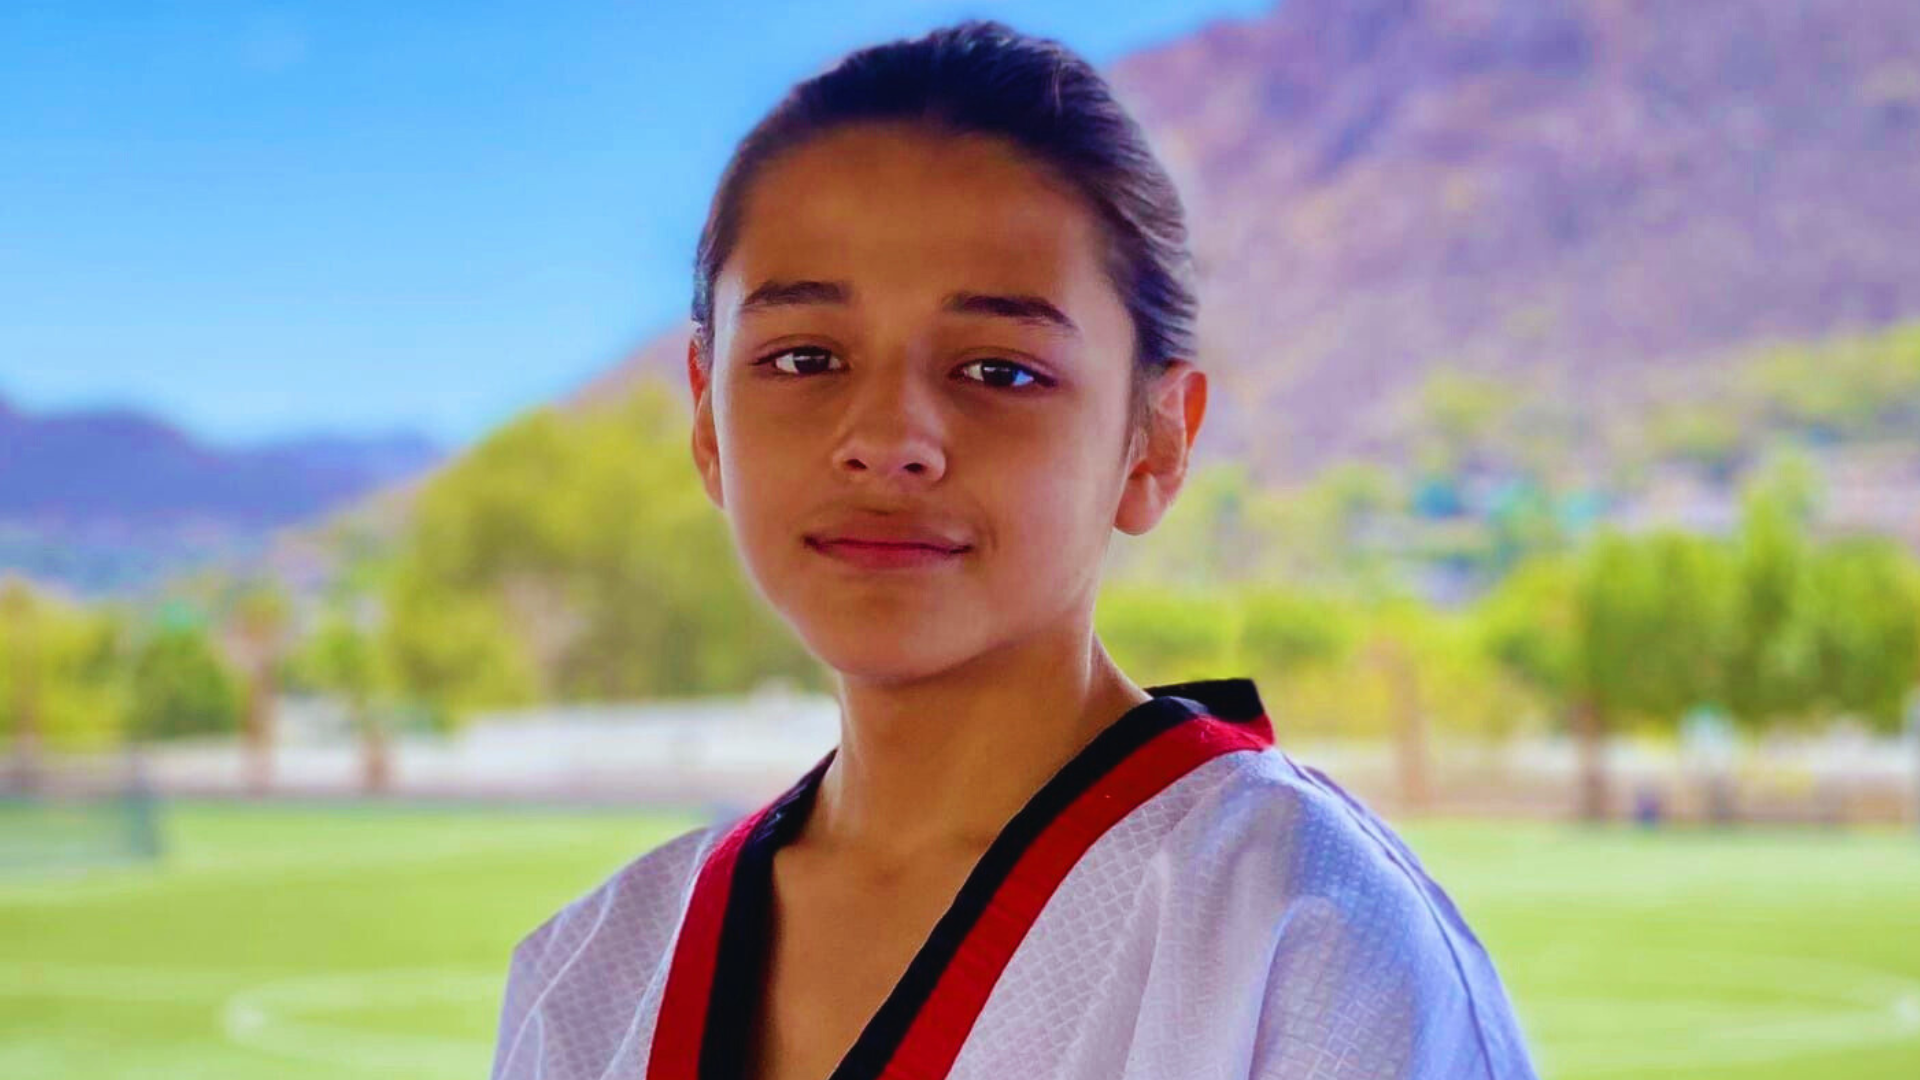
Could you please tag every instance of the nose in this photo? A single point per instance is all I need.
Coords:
(892, 434)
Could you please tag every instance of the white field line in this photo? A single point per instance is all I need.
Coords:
(309, 1017)
(299, 1018)
(1846, 1006)
(43, 979)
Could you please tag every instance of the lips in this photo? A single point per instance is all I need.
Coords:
(896, 535)
(881, 541)
(885, 555)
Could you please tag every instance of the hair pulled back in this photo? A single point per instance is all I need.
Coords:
(981, 77)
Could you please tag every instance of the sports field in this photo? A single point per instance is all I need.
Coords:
(308, 942)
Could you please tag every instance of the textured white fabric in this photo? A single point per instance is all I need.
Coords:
(1251, 921)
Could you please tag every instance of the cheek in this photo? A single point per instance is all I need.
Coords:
(757, 474)
(1050, 507)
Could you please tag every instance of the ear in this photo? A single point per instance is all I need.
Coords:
(706, 444)
(1157, 462)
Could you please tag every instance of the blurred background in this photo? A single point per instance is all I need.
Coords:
(359, 604)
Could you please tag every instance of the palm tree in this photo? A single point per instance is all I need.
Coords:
(1390, 654)
(254, 627)
(341, 658)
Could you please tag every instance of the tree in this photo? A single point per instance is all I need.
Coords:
(1862, 606)
(576, 557)
(1768, 625)
(181, 685)
(1204, 539)
(1627, 626)
(1159, 634)
(1771, 667)
(1282, 630)
(62, 678)
(1391, 653)
(20, 623)
(1711, 435)
(1856, 386)
(454, 649)
(1434, 675)
(1463, 414)
(341, 657)
(254, 629)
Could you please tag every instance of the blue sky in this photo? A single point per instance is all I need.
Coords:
(266, 221)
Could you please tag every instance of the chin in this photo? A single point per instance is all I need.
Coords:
(861, 654)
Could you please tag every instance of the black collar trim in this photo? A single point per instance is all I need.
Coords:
(736, 1001)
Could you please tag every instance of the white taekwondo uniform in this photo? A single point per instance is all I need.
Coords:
(1181, 901)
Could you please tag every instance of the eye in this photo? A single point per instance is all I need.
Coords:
(1013, 369)
(811, 352)
(1002, 374)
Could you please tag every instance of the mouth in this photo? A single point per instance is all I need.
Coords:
(871, 555)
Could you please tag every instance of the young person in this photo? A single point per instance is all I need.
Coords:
(943, 323)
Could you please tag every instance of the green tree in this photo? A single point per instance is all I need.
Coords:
(62, 678)
(1628, 626)
(1281, 630)
(1711, 434)
(1688, 614)
(255, 617)
(22, 642)
(342, 658)
(182, 686)
(1771, 670)
(1464, 416)
(1159, 634)
(454, 651)
(1856, 386)
(1225, 531)
(1769, 625)
(1862, 603)
(1203, 540)
(577, 557)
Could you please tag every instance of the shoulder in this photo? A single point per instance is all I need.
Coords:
(603, 946)
(1339, 930)
(633, 912)
(1288, 831)
(642, 894)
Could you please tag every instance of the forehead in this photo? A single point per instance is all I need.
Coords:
(894, 208)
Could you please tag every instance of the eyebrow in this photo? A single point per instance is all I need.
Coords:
(1036, 310)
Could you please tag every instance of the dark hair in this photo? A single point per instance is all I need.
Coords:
(983, 77)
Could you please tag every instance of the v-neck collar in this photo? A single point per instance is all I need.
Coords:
(714, 994)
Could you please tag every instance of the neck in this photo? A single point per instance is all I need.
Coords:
(936, 767)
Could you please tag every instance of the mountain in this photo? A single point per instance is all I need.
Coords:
(103, 498)
(1573, 194)
(1592, 200)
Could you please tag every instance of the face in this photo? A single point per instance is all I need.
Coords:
(914, 333)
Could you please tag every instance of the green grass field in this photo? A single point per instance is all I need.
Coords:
(303, 942)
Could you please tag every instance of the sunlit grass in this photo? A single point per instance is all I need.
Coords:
(308, 941)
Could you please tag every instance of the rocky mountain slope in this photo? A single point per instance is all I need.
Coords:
(1585, 197)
